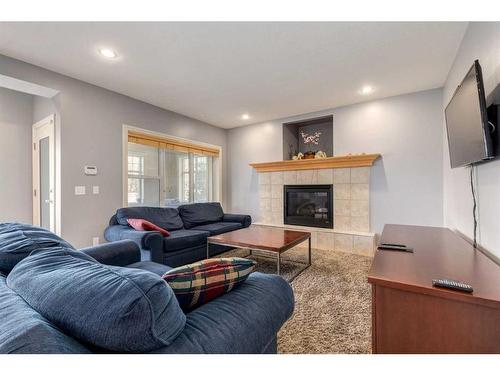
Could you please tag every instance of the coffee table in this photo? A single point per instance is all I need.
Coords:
(272, 240)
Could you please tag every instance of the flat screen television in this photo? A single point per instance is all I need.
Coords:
(469, 136)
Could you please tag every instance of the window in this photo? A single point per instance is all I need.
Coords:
(143, 176)
(162, 176)
(176, 177)
(202, 178)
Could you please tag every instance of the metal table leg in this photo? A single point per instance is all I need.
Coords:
(208, 250)
(279, 261)
(306, 264)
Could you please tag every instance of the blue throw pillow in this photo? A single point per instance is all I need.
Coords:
(18, 240)
(115, 308)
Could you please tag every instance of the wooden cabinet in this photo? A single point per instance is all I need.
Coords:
(409, 315)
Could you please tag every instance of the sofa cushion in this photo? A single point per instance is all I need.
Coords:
(156, 268)
(166, 218)
(200, 213)
(18, 240)
(218, 228)
(243, 321)
(25, 331)
(198, 283)
(115, 308)
(184, 238)
(144, 225)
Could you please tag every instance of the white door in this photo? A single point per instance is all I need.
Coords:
(44, 205)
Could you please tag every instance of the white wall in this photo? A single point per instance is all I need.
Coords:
(15, 156)
(406, 184)
(481, 41)
(91, 134)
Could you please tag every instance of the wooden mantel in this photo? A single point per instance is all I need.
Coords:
(347, 161)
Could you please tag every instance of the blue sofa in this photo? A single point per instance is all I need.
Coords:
(189, 226)
(55, 299)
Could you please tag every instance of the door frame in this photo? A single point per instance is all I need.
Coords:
(48, 127)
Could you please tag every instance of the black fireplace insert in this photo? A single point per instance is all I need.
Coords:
(308, 205)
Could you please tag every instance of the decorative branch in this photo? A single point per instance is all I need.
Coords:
(310, 138)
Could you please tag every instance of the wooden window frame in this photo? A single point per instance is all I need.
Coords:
(160, 140)
(172, 144)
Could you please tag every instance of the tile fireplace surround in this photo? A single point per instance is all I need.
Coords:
(351, 204)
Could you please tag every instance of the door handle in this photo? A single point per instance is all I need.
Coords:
(49, 201)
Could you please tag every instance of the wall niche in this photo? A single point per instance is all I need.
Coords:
(311, 135)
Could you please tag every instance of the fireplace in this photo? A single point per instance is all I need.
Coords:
(308, 205)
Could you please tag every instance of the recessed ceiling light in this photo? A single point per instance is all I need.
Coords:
(245, 116)
(366, 90)
(108, 53)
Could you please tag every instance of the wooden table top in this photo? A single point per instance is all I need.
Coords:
(439, 253)
(261, 238)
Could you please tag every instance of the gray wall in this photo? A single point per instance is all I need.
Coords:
(481, 41)
(15, 156)
(407, 130)
(91, 134)
(407, 186)
(43, 107)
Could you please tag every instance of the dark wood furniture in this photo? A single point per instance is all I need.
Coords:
(409, 315)
(271, 240)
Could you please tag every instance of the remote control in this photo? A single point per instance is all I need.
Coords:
(451, 284)
(395, 246)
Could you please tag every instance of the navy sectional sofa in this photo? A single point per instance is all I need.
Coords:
(189, 226)
(104, 299)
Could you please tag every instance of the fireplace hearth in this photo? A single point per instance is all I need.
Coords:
(308, 205)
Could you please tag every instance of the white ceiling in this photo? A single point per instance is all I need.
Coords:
(215, 72)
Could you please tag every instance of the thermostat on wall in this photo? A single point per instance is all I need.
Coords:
(90, 170)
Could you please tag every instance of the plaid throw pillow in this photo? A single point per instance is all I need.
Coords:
(200, 282)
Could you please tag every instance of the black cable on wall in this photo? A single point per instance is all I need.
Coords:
(474, 203)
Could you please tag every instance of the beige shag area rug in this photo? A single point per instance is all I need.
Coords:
(332, 302)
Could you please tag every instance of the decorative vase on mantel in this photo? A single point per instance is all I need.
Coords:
(309, 155)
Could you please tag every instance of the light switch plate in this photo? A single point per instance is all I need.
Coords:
(79, 190)
(95, 189)
(95, 241)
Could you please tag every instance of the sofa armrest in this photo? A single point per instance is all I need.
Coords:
(119, 253)
(244, 220)
(243, 321)
(150, 241)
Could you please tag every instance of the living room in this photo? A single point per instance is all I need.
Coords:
(329, 176)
